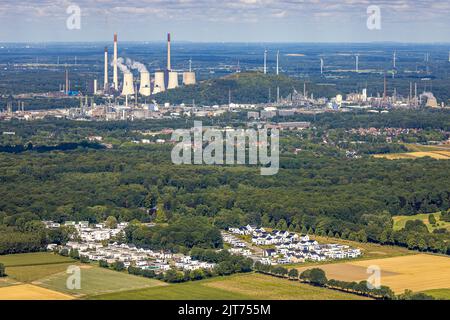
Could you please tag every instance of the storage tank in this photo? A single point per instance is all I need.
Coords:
(189, 78)
(145, 89)
(128, 87)
(173, 80)
(159, 82)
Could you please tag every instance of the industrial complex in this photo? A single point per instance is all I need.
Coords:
(149, 83)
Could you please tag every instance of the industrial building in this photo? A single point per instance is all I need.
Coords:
(163, 80)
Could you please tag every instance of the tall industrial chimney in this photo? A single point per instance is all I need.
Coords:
(105, 83)
(115, 73)
(95, 86)
(169, 65)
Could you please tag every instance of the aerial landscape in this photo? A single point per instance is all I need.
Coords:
(226, 157)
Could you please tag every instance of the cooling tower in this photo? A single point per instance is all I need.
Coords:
(173, 80)
(159, 82)
(105, 81)
(115, 74)
(145, 89)
(189, 78)
(128, 88)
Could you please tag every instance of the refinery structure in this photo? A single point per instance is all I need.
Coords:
(128, 92)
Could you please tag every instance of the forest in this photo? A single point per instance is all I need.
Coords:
(317, 191)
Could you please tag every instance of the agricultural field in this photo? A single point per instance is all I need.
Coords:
(43, 275)
(424, 148)
(23, 269)
(29, 267)
(30, 292)
(440, 294)
(96, 280)
(418, 272)
(6, 282)
(36, 272)
(401, 269)
(400, 221)
(420, 151)
(438, 155)
(33, 259)
(242, 287)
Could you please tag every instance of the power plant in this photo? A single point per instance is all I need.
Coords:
(163, 79)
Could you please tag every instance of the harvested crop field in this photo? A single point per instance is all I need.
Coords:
(415, 272)
(30, 292)
(439, 155)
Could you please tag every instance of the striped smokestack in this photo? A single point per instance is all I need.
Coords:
(106, 69)
(169, 66)
(115, 74)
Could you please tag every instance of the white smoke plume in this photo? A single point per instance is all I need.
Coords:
(135, 65)
(121, 65)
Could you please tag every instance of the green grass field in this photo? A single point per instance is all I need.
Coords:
(95, 281)
(242, 287)
(441, 294)
(400, 221)
(33, 259)
(33, 273)
(183, 291)
(29, 267)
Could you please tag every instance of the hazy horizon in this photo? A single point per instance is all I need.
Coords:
(227, 42)
(233, 21)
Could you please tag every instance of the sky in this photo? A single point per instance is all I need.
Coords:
(424, 21)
